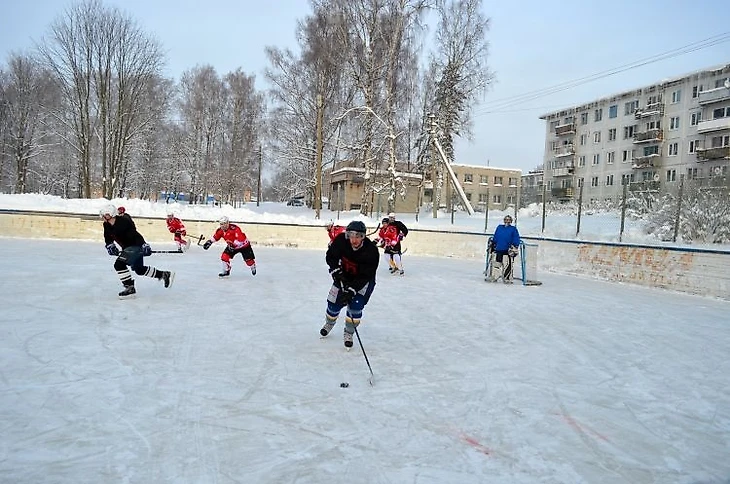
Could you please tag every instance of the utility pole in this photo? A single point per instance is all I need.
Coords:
(434, 161)
(318, 183)
(258, 188)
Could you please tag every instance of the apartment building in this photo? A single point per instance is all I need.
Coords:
(482, 185)
(648, 138)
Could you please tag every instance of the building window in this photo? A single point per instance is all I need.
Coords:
(581, 161)
(597, 137)
(627, 156)
(512, 182)
(468, 178)
(673, 149)
(721, 113)
(580, 182)
(498, 180)
(609, 180)
(671, 175)
(676, 96)
(594, 181)
(631, 107)
(468, 195)
(584, 118)
(721, 82)
(651, 150)
(583, 139)
(483, 179)
(598, 115)
(596, 159)
(483, 198)
(629, 131)
(613, 111)
(695, 118)
(720, 141)
(497, 199)
(696, 90)
(610, 157)
(691, 173)
(674, 122)
(694, 144)
(612, 134)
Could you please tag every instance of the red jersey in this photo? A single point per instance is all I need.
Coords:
(234, 236)
(334, 231)
(174, 224)
(389, 235)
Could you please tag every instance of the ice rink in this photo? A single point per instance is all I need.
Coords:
(227, 381)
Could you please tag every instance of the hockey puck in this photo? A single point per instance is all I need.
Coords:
(344, 384)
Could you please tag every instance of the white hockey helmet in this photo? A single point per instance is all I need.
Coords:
(110, 210)
(223, 220)
(391, 215)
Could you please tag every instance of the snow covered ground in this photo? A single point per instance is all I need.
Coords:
(225, 381)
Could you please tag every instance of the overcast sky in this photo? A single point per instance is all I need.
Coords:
(534, 45)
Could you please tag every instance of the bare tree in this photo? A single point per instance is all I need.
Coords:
(26, 93)
(103, 62)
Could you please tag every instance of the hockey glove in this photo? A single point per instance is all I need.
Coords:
(348, 294)
(336, 274)
(207, 244)
(400, 236)
(178, 234)
(146, 250)
(112, 249)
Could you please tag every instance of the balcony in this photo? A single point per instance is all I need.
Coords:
(565, 129)
(649, 136)
(656, 109)
(719, 94)
(562, 192)
(719, 124)
(704, 154)
(648, 161)
(562, 171)
(644, 186)
(565, 150)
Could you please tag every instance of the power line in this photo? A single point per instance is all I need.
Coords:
(500, 104)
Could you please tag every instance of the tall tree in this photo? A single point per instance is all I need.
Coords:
(103, 62)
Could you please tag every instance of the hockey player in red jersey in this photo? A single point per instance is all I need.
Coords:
(237, 243)
(389, 238)
(333, 231)
(119, 229)
(175, 226)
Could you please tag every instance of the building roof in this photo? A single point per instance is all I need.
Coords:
(638, 91)
(482, 167)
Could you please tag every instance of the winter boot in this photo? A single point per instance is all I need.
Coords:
(128, 292)
(348, 339)
(326, 329)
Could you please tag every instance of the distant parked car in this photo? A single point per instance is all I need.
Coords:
(295, 202)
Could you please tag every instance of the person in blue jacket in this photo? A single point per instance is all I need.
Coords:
(506, 242)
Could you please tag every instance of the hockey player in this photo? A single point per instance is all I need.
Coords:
(506, 242)
(176, 227)
(120, 229)
(353, 261)
(237, 243)
(389, 238)
(333, 231)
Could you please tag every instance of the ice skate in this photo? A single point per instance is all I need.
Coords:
(326, 329)
(348, 340)
(128, 292)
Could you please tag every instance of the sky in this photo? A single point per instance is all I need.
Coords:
(533, 46)
(228, 381)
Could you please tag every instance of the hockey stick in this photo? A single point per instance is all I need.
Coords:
(374, 231)
(370, 380)
(178, 251)
(199, 239)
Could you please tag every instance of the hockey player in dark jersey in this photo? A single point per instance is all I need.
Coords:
(353, 262)
(120, 229)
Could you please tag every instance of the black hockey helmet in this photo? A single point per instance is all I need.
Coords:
(356, 226)
(386, 220)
